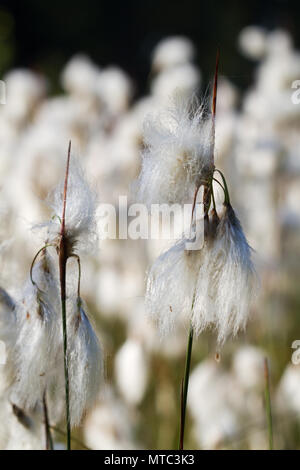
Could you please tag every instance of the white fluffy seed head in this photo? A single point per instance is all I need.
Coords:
(131, 371)
(253, 41)
(85, 362)
(226, 281)
(184, 79)
(171, 286)
(171, 51)
(178, 154)
(37, 350)
(80, 222)
(211, 287)
(79, 77)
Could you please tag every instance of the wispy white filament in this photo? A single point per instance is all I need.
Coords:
(80, 225)
(212, 287)
(85, 362)
(177, 156)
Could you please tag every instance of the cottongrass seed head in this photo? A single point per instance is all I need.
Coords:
(212, 287)
(36, 352)
(80, 221)
(177, 155)
(84, 360)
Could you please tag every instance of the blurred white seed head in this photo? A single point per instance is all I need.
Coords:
(80, 75)
(24, 90)
(253, 42)
(248, 367)
(210, 404)
(172, 51)
(178, 154)
(110, 425)
(131, 371)
(114, 88)
(184, 79)
(287, 396)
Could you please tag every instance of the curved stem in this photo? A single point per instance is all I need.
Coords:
(34, 260)
(227, 198)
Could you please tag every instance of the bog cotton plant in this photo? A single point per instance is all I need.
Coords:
(211, 286)
(55, 347)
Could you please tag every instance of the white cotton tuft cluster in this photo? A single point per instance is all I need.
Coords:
(36, 354)
(212, 287)
(80, 221)
(178, 154)
(85, 362)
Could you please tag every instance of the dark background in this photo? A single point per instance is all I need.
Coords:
(43, 35)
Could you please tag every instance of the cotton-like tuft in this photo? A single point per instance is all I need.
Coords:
(80, 223)
(177, 156)
(172, 51)
(85, 362)
(131, 371)
(226, 281)
(171, 286)
(37, 353)
(212, 287)
(184, 79)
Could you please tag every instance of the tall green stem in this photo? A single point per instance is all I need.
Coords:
(268, 404)
(185, 386)
(62, 268)
(63, 257)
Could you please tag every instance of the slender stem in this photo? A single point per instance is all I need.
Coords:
(268, 404)
(227, 198)
(185, 386)
(214, 105)
(74, 439)
(34, 260)
(213, 195)
(48, 436)
(63, 257)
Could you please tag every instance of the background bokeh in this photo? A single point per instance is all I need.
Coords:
(91, 73)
